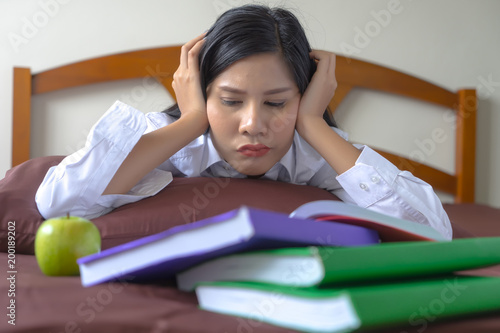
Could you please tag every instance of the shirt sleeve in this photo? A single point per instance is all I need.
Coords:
(76, 185)
(375, 183)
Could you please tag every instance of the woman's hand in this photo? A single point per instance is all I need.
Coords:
(321, 89)
(156, 147)
(186, 83)
(340, 154)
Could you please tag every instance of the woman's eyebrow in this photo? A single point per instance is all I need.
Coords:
(277, 90)
(231, 89)
(267, 92)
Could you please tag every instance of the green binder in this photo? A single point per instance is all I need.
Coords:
(414, 303)
(310, 266)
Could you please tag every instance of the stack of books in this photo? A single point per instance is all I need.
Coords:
(328, 267)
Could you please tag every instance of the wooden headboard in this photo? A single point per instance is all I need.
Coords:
(351, 73)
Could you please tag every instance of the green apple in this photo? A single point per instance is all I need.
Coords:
(60, 241)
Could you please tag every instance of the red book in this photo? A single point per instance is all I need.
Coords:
(389, 228)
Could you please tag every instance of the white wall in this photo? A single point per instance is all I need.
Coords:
(451, 43)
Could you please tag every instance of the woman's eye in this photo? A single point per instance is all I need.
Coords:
(275, 104)
(230, 102)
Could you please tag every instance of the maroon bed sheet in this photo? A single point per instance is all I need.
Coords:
(61, 304)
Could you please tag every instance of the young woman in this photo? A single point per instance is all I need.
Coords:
(251, 100)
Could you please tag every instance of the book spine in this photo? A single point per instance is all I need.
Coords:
(297, 231)
(420, 303)
(408, 259)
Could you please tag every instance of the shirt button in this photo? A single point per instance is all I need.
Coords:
(375, 179)
(363, 186)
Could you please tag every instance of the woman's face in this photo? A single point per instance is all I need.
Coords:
(252, 109)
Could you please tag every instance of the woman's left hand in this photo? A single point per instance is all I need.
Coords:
(322, 87)
(340, 154)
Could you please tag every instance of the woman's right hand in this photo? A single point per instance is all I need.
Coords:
(187, 84)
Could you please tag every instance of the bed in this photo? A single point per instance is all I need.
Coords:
(61, 304)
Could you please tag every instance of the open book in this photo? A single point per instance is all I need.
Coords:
(390, 228)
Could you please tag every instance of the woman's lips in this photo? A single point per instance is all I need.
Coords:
(254, 150)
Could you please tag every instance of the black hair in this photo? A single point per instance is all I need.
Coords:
(250, 29)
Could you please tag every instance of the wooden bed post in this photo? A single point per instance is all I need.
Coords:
(466, 146)
(161, 63)
(21, 117)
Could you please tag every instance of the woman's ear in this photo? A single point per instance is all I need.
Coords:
(314, 65)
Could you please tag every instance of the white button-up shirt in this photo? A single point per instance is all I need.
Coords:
(77, 183)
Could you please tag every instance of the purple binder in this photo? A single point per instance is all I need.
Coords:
(244, 229)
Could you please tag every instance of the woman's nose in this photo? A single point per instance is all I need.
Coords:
(252, 121)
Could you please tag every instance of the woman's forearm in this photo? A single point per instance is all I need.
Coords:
(153, 149)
